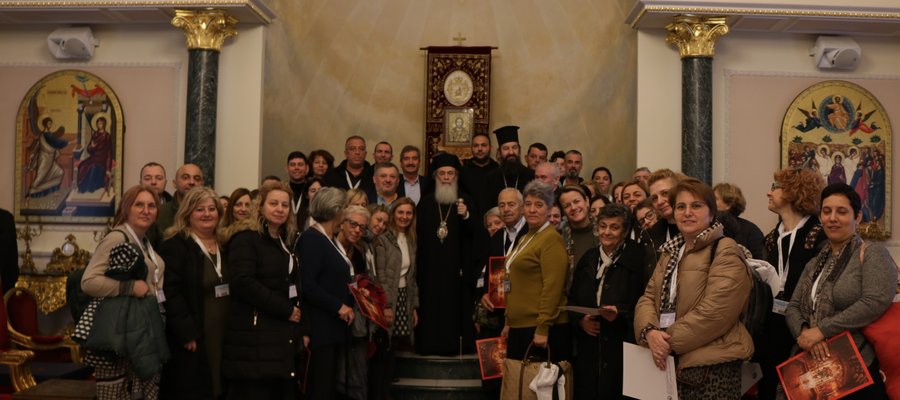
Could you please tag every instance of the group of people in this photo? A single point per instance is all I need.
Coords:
(255, 287)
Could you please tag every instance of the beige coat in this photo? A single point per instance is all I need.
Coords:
(387, 266)
(95, 283)
(709, 302)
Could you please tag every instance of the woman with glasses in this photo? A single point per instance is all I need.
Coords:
(796, 239)
(327, 302)
(353, 382)
(692, 305)
(395, 261)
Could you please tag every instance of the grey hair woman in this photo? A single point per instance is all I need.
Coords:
(610, 277)
(327, 302)
(537, 269)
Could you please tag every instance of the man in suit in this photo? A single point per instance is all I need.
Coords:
(414, 186)
(512, 212)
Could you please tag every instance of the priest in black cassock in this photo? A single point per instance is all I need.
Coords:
(476, 169)
(445, 230)
(511, 172)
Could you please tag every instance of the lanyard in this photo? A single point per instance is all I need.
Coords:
(148, 250)
(290, 256)
(217, 263)
(296, 204)
(337, 246)
(513, 253)
(784, 266)
(349, 182)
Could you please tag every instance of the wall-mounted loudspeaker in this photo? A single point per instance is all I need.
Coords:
(76, 43)
(836, 52)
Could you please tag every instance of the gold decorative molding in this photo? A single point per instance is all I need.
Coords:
(696, 36)
(205, 29)
(49, 291)
(256, 8)
(736, 11)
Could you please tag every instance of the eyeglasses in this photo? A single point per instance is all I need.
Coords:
(776, 185)
(446, 173)
(355, 225)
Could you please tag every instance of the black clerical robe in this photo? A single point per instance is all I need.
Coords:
(445, 278)
(497, 180)
(472, 179)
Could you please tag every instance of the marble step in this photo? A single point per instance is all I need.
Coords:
(411, 365)
(437, 389)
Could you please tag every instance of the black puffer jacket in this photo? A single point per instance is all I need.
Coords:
(260, 341)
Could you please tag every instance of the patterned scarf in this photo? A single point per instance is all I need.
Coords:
(673, 249)
(829, 267)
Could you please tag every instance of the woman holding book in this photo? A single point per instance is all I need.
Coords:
(610, 278)
(847, 286)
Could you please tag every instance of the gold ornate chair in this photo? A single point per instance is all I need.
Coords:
(18, 361)
(22, 323)
(45, 293)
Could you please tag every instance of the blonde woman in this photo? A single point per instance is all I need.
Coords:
(262, 335)
(197, 299)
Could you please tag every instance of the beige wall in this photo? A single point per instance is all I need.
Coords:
(564, 72)
(147, 67)
(746, 150)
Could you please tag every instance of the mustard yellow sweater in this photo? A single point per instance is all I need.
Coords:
(537, 278)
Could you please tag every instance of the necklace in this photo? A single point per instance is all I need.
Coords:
(506, 185)
(442, 230)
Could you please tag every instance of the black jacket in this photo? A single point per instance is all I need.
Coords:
(426, 186)
(260, 341)
(9, 251)
(187, 374)
(744, 232)
(600, 358)
(337, 177)
(325, 277)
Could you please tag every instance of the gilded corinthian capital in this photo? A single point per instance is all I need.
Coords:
(205, 29)
(696, 36)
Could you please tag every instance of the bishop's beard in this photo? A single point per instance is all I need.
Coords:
(446, 193)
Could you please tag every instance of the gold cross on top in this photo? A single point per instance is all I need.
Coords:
(459, 39)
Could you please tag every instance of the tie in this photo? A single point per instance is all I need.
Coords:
(506, 242)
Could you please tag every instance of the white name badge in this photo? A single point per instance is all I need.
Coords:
(507, 287)
(779, 306)
(292, 291)
(666, 320)
(160, 296)
(221, 290)
(480, 283)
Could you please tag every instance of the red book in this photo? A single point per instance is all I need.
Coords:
(496, 274)
(491, 354)
(805, 378)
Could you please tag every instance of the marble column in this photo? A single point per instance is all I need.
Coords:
(695, 38)
(206, 31)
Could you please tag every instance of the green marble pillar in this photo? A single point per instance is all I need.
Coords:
(695, 38)
(206, 31)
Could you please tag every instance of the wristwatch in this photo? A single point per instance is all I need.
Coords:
(644, 331)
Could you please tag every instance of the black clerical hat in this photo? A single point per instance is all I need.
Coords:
(506, 134)
(445, 160)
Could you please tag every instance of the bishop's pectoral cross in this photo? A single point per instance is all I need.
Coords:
(459, 39)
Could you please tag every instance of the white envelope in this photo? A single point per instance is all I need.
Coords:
(642, 380)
